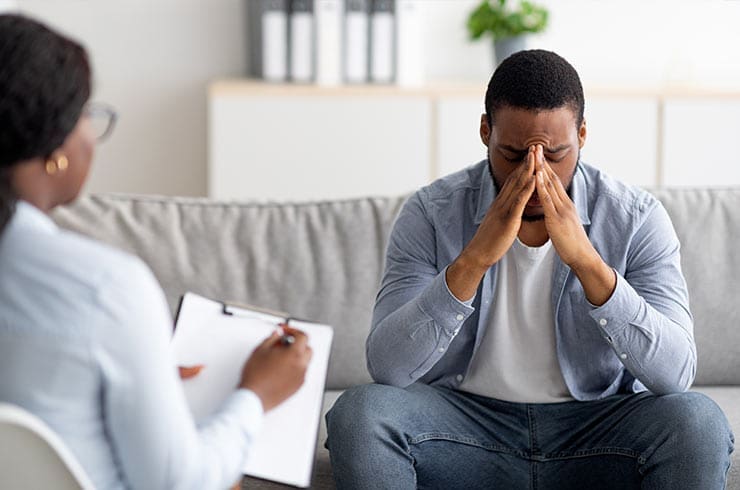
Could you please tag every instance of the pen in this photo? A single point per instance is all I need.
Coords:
(286, 338)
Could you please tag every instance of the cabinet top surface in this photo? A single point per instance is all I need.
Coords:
(254, 87)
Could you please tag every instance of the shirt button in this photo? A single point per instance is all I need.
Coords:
(441, 349)
(603, 322)
(623, 355)
(459, 378)
(459, 317)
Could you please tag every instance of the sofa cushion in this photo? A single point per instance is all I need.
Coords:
(320, 261)
(708, 225)
(323, 261)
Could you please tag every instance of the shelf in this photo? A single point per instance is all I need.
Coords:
(244, 86)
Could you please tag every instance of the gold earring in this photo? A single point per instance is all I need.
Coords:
(60, 164)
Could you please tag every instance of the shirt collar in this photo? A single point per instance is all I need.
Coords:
(29, 216)
(578, 193)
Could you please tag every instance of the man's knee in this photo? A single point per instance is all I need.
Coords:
(360, 409)
(697, 421)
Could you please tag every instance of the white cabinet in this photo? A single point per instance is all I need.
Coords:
(457, 143)
(699, 145)
(278, 144)
(289, 142)
(622, 137)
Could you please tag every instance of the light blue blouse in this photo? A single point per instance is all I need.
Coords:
(84, 345)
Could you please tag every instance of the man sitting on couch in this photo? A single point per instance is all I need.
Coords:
(532, 329)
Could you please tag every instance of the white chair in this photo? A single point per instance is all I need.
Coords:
(33, 457)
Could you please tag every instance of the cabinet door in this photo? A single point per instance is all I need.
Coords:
(268, 147)
(699, 145)
(621, 138)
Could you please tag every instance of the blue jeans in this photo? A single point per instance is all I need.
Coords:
(422, 436)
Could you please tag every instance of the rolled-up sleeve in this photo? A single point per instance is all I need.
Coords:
(647, 320)
(416, 316)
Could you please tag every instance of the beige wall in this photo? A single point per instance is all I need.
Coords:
(152, 61)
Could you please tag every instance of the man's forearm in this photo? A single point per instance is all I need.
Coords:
(463, 277)
(597, 278)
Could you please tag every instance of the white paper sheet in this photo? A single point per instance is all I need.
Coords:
(284, 449)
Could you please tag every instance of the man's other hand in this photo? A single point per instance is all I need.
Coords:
(569, 237)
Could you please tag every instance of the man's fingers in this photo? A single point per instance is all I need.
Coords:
(543, 192)
(558, 185)
(546, 176)
(519, 178)
(522, 197)
(544, 189)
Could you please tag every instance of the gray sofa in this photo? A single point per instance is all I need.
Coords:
(324, 261)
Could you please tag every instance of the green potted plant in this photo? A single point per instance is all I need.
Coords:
(506, 24)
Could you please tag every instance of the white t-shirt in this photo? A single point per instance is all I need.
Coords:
(517, 358)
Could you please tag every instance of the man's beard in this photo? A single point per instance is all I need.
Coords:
(534, 217)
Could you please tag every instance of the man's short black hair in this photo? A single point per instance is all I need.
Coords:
(536, 80)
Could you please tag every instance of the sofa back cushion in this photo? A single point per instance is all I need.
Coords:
(323, 261)
(320, 261)
(707, 222)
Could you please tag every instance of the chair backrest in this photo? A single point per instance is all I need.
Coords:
(32, 456)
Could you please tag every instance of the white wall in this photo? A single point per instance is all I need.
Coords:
(153, 59)
(610, 42)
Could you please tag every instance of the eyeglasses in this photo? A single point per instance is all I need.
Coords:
(102, 119)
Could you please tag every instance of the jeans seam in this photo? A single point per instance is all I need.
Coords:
(413, 465)
(533, 446)
(585, 453)
(470, 441)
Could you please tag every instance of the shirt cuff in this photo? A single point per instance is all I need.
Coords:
(620, 309)
(444, 308)
(248, 407)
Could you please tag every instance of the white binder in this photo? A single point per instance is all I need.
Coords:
(382, 38)
(356, 41)
(274, 40)
(301, 40)
(409, 44)
(329, 15)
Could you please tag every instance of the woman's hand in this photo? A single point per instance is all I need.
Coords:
(187, 372)
(275, 370)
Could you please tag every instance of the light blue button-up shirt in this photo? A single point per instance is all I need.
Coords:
(84, 345)
(641, 338)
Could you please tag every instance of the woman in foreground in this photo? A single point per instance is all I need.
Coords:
(84, 328)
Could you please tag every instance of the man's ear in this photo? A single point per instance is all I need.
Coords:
(485, 130)
(582, 134)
